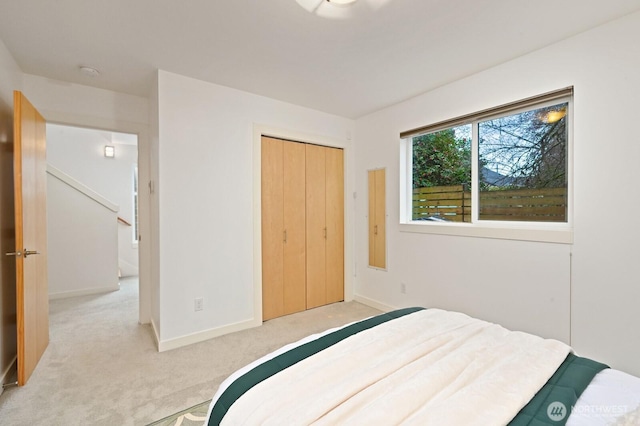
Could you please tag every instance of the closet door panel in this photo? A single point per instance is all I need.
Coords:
(272, 228)
(335, 225)
(295, 228)
(316, 228)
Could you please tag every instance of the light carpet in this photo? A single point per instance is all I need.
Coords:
(192, 416)
(103, 368)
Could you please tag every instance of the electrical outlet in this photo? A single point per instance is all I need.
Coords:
(198, 304)
(403, 288)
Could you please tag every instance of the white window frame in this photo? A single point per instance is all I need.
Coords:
(556, 232)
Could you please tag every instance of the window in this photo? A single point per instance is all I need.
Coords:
(441, 175)
(523, 166)
(506, 165)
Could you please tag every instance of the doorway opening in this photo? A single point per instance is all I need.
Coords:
(92, 209)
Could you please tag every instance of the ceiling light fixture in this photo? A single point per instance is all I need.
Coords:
(341, 2)
(89, 72)
(109, 151)
(334, 9)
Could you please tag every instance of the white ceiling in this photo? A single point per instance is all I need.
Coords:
(347, 61)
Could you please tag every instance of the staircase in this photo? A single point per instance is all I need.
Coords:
(82, 233)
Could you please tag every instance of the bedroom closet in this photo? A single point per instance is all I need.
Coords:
(302, 226)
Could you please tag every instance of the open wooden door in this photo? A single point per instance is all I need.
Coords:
(31, 235)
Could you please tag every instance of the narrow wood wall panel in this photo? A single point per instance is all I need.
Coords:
(372, 216)
(316, 225)
(272, 228)
(335, 225)
(295, 294)
(381, 219)
(377, 219)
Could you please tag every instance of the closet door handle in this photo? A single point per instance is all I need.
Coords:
(375, 229)
(285, 236)
(26, 252)
(325, 233)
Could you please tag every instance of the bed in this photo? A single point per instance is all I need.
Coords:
(426, 366)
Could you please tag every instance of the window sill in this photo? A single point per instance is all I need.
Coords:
(560, 234)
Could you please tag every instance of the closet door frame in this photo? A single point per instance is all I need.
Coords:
(263, 130)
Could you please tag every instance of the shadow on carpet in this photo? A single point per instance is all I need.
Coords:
(194, 416)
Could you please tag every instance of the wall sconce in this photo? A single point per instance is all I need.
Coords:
(109, 151)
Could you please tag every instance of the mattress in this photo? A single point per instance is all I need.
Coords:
(451, 362)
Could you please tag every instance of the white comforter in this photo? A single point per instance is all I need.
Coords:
(430, 367)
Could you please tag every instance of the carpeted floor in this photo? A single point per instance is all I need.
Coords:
(102, 367)
(192, 416)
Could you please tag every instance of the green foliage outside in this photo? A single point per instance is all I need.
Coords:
(524, 150)
(441, 159)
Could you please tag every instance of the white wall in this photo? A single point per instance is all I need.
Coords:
(586, 293)
(10, 80)
(79, 152)
(82, 242)
(59, 101)
(206, 190)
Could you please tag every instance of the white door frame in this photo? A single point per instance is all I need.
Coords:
(260, 130)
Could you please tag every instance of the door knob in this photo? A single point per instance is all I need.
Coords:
(28, 252)
(15, 253)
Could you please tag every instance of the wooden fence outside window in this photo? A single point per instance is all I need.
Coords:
(453, 203)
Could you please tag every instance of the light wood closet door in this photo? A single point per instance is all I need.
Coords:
(283, 228)
(272, 228)
(335, 225)
(295, 294)
(325, 225)
(316, 226)
(302, 226)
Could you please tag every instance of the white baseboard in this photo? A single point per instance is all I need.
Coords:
(374, 303)
(128, 269)
(83, 292)
(156, 335)
(178, 342)
(8, 373)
